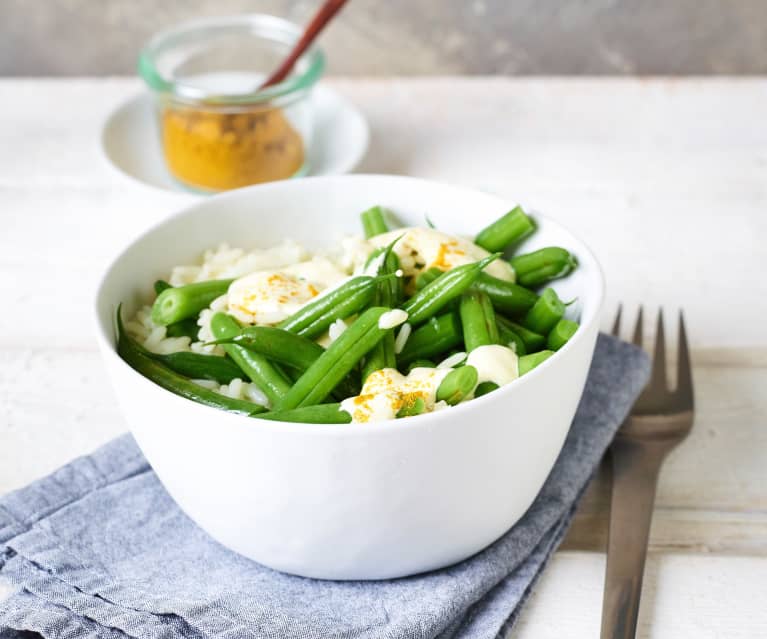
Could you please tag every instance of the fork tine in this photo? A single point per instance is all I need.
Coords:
(617, 323)
(638, 329)
(658, 379)
(684, 392)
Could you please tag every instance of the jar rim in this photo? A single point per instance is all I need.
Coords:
(258, 24)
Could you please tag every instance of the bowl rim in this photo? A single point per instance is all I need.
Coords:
(420, 422)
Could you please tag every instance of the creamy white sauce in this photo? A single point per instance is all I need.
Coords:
(385, 391)
(268, 297)
(494, 363)
(392, 318)
(422, 248)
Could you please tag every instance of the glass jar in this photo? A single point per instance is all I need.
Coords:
(217, 130)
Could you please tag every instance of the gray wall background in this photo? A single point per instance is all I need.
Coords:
(92, 37)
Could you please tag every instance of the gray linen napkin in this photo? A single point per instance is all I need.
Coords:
(99, 550)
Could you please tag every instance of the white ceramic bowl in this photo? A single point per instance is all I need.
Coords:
(348, 501)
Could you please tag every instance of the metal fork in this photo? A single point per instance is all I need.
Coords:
(660, 419)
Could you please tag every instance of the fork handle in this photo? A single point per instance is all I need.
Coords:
(635, 475)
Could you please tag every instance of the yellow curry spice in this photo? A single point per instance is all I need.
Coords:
(218, 150)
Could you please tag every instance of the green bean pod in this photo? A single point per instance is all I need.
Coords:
(314, 318)
(507, 230)
(541, 266)
(457, 385)
(561, 334)
(199, 366)
(256, 367)
(160, 286)
(181, 302)
(427, 277)
(545, 313)
(388, 293)
(278, 345)
(138, 359)
(507, 297)
(337, 361)
(509, 337)
(420, 363)
(294, 352)
(373, 222)
(318, 414)
(184, 328)
(478, 320)
(529, 362)
(435, 296)
(432, 339)
(532, 341)
(484, 388)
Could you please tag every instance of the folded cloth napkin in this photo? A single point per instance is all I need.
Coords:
(98, 549)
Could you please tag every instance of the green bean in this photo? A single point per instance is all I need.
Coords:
(314, 318)
(541, 266)
(198, 366)
(181, 302)
(427, 277)
(381, 356)
(478, 320)
(545, 313)
(434, 296)
(509, 337)
(391, 284)
(337, 361)
(184, 328)
(531, 340)
(138, 358)
(373, 222)
(388, 293)
(529, 362)
(484, 388)
(563, 330)
(413, 407)
(457, 385)
(318, 414)
(437, 335)
(507, 297)
(278, 345)
(420, 363)
(295, 352)
(160, 286)
(256, 367)
(505, 231)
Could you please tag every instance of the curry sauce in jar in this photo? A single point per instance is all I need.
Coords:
(218, 131)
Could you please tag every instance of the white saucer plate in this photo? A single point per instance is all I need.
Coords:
(131, 145)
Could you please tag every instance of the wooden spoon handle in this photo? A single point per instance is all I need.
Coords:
(321, 18)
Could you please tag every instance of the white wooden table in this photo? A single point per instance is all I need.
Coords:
(666, 179)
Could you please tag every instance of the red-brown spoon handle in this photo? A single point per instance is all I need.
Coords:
(321, 18)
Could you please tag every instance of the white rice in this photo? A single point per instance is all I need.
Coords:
(453, 360)
(402, 337)
(336, 329)
(238, 389)
(226, 262)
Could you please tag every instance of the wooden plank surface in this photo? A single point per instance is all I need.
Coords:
(665, 179)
